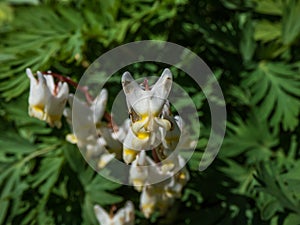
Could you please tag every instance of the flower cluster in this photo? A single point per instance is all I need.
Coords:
(153, 128)
(148, 140)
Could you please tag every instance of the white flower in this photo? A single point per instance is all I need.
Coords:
(124, 216)
(94, 147)
(178, 181)
(158, 196)
(153, 198)
(138, 173)
(145, 107)
(147, 102)
(98, 142)
(87, 116)
(111, 138)
(148, 201)
(47, 100)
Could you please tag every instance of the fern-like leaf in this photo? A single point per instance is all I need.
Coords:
(275, 90)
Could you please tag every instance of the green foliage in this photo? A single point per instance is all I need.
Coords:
(276, 90)
(253, 47)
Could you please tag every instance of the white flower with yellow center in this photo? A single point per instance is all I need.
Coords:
(124, 216)
(47, 100)
(145, 106)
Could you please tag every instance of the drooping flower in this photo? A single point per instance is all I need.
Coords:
(47, 100)
(98, 142)
(87, 116)
(145, 107)
(158, 196)
(138, 173)
(178, 180)
(124, 216)
(154, 198)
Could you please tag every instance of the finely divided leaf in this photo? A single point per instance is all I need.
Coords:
(275, 90)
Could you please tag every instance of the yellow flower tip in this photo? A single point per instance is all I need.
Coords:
(138, 184)
(130, 152)
(38, 108)
(105, 159)
(143, 135)
(129, 155)
(167, 167)
(37, 111)
(147, 209)
(71, 138)
(170, 193)
(182, 176)
(101, 164)
(53, 120)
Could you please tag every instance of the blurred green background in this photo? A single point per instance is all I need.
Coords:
(252, 46)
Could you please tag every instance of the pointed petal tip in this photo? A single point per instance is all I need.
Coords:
(96, 207)
(104, 91)
(126, 77)
(103, 96)
(63, 92)
(29, 73)
(40, 76)
(167, 73)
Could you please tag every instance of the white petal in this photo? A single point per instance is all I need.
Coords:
(160, 91)
(129, 213)
(131, 88)
(38, 90)
(101, 215)
(163, 85)
(94, 147)
(50, 83)
(99, 105)
(142, 158)
(138, 173)
(83, 115)
(105, 159)
(68, 114)
(187, 142)
(119, 217)
(63, 91)
(147, 202)
(111, 143)
(33, 81)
